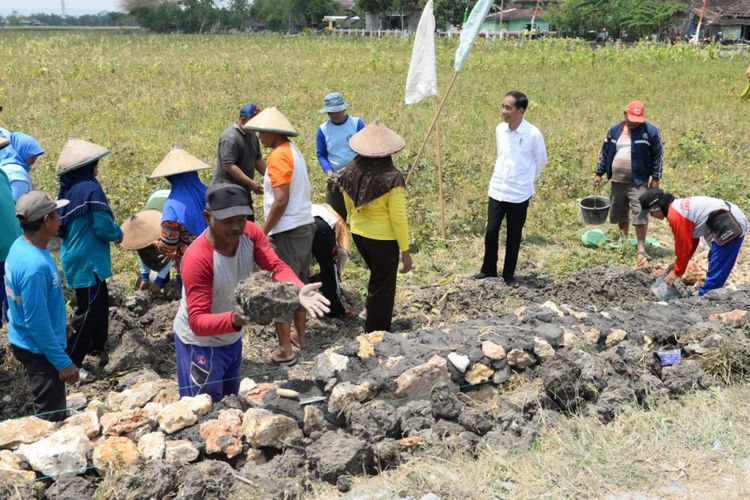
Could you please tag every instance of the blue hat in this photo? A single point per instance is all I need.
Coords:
(334, 102)
(249, 110)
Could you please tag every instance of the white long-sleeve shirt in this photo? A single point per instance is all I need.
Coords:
(521, 156)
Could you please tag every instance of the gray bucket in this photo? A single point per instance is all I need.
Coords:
(594, 209)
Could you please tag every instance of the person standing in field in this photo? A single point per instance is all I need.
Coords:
(18, 161)
(208, 324)
(10, 230)
(287, 206)
(331, 249)
(238, 156)
(332, 146)
(631, 155)
(87, 228)
(374, 193)
(720, 223)
(521, 156)
(37, 327)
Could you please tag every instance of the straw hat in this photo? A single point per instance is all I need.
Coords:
(271, 120)
(178, 161)
(376, 141)
(77, 153)
(4, 141)
(141, 229)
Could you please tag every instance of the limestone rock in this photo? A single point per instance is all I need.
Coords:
(736, 318)
(180, 452)
(520, 359)
(543, 350)
(492, 350)
(223, 435)
(419, 380)
(392, 362)
(254, 396)
(76, 400)
(114, 453)
(63, 452)
(151, 446)
(328, 362)
(553, 307)
(176, 416)
(200, 404)
(246, 385)
(569, 337)
(314, 421)
(97, 406)
(367, 343)
(479, 373)
(346, 393)
(11, 470)
(263, 428)
(590, 333)
(24, 431)
(89, 420)
(615, 337)
(460, 361)
(122, 422)
(136, 396)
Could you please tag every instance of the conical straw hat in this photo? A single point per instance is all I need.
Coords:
(76, 153)
(376, 141)
(141, 229)
(271, 120)
(4, 141)
(178, 161)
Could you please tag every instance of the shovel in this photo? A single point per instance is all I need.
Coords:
(311, 399)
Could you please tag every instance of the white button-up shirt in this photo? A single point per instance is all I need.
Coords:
(521, 156)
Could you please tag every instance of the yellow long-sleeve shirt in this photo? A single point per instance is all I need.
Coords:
(384, 218)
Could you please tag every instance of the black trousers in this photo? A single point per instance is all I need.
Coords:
(47, 389)
(335, 198)
(324, 251)
(90, 322)
(381, 257)
(515, 215)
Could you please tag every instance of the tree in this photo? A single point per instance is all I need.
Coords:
(449, 12)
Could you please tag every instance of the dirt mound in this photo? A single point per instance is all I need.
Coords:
(262, 300)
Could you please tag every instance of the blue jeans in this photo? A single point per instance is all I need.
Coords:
(721, 260)
(208, 370)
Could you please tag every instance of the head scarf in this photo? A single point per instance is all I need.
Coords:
(655, 197)
(366, 179)
(186, 202)
(85, 194)
(21, 148)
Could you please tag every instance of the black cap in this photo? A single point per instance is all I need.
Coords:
(227, 200)
(650, 199)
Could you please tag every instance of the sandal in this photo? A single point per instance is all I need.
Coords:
(644, 255)
(270, 360)
(296, 344)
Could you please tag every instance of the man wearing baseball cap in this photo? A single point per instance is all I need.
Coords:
(207, 328)
(37, 329)
(631, 156)
(238, 155)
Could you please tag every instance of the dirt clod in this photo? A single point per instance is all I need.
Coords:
(262, 300)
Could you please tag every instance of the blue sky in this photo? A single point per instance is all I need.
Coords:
(72, 7)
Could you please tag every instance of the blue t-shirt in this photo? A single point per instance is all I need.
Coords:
(332, 143)
(84, 253)
(36, 306)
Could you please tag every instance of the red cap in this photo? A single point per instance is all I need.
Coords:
(636, 111)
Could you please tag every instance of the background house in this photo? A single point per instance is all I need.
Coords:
(517, 15)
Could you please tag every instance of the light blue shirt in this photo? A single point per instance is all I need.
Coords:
(36, 306)
(20, 181)
(332, 143)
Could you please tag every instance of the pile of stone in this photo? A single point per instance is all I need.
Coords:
(377, 401)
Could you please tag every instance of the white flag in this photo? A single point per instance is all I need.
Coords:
(422, 79)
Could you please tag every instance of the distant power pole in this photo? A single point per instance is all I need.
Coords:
(62, 5)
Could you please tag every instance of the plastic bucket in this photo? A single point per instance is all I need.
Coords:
(594, 209)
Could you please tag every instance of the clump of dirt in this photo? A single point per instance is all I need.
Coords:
(263, 300)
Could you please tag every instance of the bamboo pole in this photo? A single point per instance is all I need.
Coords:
(432, 125)
(439, 159)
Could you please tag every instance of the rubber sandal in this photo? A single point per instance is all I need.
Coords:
(270, 360)
(296, 344)
(644, 255)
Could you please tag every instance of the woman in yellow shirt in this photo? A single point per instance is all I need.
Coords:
(374, 197)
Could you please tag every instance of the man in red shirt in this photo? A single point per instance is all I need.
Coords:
(207, 327)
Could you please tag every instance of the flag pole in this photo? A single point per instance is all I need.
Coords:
(432, 125)
(439, 158)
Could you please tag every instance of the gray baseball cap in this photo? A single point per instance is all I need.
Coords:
(34, 205)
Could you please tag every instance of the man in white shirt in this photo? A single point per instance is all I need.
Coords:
(521, 156)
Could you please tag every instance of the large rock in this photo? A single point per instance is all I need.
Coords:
(183, 413)
(338, 453)
(223, 435)
(520, 359)
(367, 343)
(255, 395)
(347, 393)
(151, 446)
(374, 421)
(24, 431)
(573, 378)
(419, 380)
(615, 336)
(209, 479)
(459, 361)
(11, 470)
(180, 452)
(89, 420)
(63, 452)
(114, 453)
(122, 422)
(479, 373)
(736, 318)
(328, 363)
(265, 429)
(543, 350)
(139, 394)
(492, 350)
